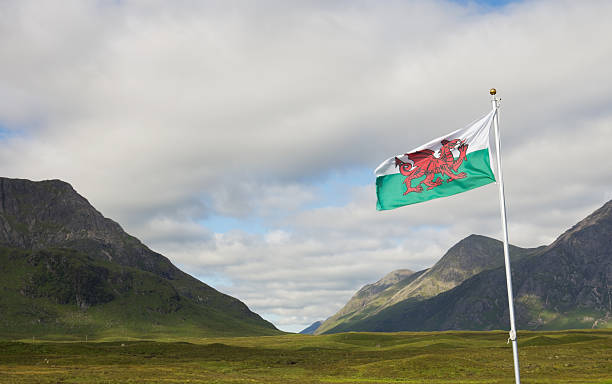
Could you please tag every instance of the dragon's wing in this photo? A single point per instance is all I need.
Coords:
(425, 160)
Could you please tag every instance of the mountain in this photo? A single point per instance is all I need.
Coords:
(311, 328)
(465, 259)
(564, 285)
(370, 298)
(68, 270)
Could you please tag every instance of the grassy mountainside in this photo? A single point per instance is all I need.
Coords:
(564, 285)
(63, 293)
(370, 298)
(465, 259)
(66, 269)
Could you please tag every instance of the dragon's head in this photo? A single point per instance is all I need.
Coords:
(452, 144)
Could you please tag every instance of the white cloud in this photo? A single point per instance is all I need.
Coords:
(277, 237)
(164, 115)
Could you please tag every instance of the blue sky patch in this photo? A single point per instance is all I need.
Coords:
(490, 3)
(223, 224)
(6, 133)
(335, 190)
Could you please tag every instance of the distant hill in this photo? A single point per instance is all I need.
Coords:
(68, 270)
(370, 298)
(311, 328)
(563, 285)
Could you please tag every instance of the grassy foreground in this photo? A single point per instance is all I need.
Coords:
(432, 357)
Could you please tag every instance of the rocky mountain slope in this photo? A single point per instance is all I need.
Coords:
(68, 269)
(564, 285)
(465, 259)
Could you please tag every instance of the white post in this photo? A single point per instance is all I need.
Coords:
(502, 206)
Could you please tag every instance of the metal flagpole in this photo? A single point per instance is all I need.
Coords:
(502, 206)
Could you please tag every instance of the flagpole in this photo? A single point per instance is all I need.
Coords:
(502, 206)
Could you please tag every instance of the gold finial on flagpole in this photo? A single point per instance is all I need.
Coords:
(492, 91)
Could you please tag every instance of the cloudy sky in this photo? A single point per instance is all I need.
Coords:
(239, 138)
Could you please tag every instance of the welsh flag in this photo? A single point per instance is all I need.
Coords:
(445, 166)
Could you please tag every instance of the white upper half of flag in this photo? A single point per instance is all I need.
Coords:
(475, 135)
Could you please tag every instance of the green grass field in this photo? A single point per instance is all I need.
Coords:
(433, 357)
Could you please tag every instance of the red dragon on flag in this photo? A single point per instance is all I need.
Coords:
(425, 162)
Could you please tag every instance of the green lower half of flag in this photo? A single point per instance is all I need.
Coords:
(390, 189)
